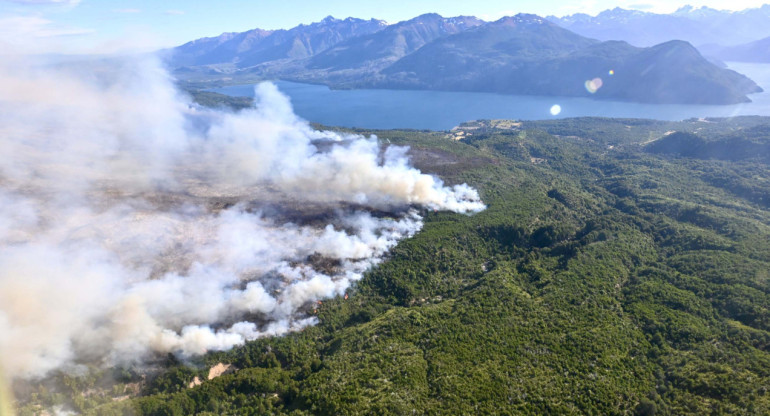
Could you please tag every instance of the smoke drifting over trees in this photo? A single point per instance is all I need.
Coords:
(134, 223)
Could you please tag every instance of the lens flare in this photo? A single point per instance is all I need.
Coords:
(612, 72)
(555, 110)
(593, 85)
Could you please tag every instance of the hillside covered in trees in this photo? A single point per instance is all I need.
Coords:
(612, 273)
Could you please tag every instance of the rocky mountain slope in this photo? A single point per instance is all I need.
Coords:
(522, 54)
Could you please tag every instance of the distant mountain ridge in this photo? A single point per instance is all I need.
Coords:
(757, 51)
(393, 42)
(521, 54)
(257, 46)
(699, 26)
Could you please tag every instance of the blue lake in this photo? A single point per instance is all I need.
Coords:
(439, 110)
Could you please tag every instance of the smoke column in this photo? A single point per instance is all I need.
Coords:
(133, 222)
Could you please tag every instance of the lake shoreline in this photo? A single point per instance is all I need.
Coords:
(443, 110)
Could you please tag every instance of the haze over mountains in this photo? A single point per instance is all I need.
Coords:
(522, 54)
(699, 26)
(757, 51)
(721, 34)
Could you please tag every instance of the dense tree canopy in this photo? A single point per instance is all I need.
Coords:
(604, 278)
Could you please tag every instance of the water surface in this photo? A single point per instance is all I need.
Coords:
(440, 110)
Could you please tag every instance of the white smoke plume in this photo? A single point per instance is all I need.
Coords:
(133, 222)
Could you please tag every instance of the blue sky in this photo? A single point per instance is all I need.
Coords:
(96, 26)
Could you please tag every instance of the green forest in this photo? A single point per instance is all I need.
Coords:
(622, 267)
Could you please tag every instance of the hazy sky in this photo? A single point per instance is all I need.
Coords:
(108, 25)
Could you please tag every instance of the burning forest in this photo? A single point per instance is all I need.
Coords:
(134, 223)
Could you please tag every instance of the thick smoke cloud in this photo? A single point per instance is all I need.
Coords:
(133, 222)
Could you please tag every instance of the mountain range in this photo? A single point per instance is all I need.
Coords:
(699, 26)
(522, 54)
(257, 46)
